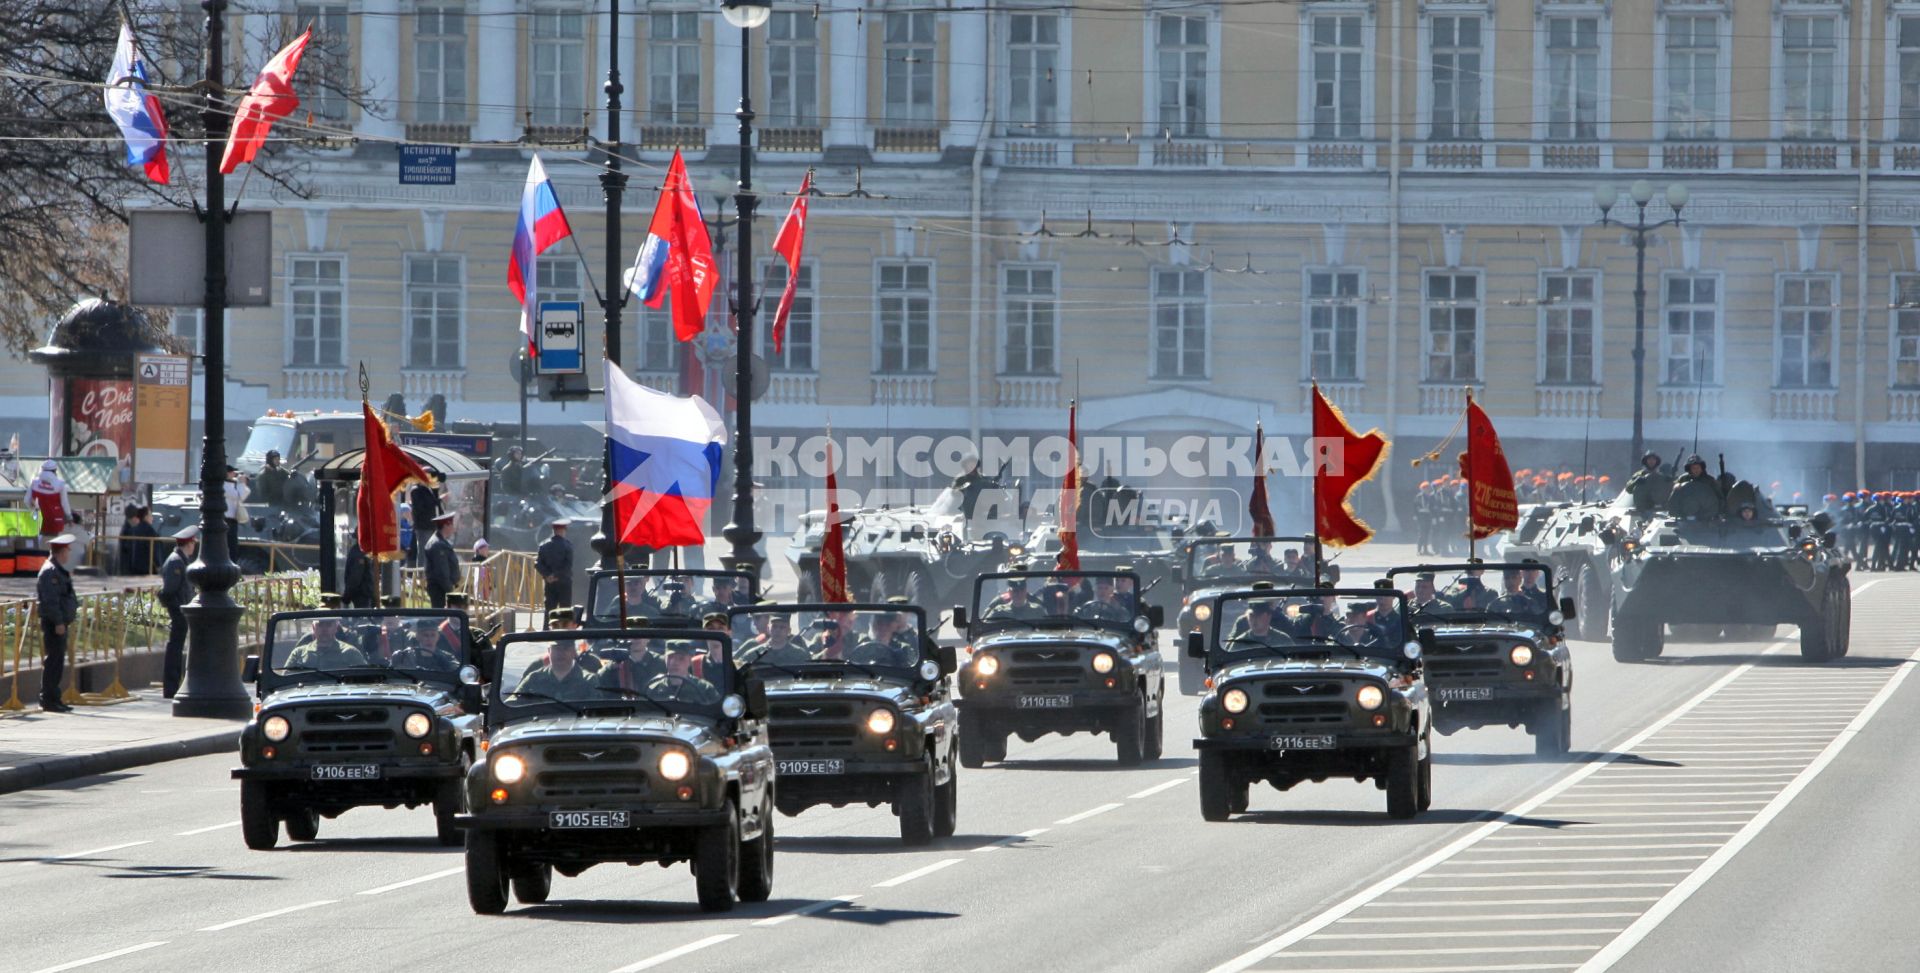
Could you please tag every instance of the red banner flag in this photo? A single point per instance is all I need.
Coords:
(790, 242)
(384, 471)
(677, 258)
(833, 553)
(1492, 505)
(1258, 514)
(1069, 559)
(1342, 460)
(270, 98)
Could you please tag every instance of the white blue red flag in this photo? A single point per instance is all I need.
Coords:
(136, 111)
(666, 462)
(677, 258)
(542, 224)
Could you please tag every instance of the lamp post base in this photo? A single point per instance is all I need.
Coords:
(212, 688)
(745, 555)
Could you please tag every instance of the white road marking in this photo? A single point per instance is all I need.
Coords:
(215, 827)
(1448, 969)
(1011, 840)
(918, 873)
(1501, 918)
(674, 954)
(1647, 814)
(1083, 815)
(1464, 934)
(1585, 848)
(89, 961)
(1446, 951)
(1581, 886)
(807, 910)
(92, 851)
(447, 873)
(1574, 802)
(1466, 903)
(269, 915)
(1616, 837)
(1572, 871)
(1157, 788)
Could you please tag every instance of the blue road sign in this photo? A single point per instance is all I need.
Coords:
(559, 339)
(426, 165)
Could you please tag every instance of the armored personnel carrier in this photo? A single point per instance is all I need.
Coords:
(928, 554)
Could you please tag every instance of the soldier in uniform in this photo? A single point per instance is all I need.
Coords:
(562, 677)
(1696, 494)
(890, 643)
(1258, 628)
(1649, 486)
(1013, 604)
(1514, 599)
(1423, 517)
(778, 646)
(678, 683)
(175, 592)
(273, 480)
(1104, 606)
(830, 638)
(358, 582)
(554, 564)
(1425, 598)
(1260, 559)
(429, 649)
(1469, 593)
(59, 606)
(1319, 619)
(1388, 624)
(512, 472)
(636, 669)
(441, 562)
(326, 650)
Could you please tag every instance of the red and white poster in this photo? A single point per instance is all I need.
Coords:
(102, 421)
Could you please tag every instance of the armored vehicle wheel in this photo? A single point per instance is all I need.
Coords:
(303, 825)
(1193, 677)
(1130, 734)
(1403, 782)
(1237, 799)
(1216, 790)
(716, 863)
(257, 825)
(756, 862)
(807, 585)
(973, 747)
(1552, 728)
(1636, 639)
(451, 800)
(1826, 638)
(1594, 607)
(1156, 734)
(917, 586)
(913, 802)
(486, 874)
(946, 805)
(532, 883)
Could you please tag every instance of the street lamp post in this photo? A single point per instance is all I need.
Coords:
(746, 15)
(1642, 194)
(613, 184)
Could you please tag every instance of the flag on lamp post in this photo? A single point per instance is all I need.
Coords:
(135, 110)
(270, 98)
(677, 257)
(789, 244)
(666, 462)
(541, 224)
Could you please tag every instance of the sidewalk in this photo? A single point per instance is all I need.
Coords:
(38, 748)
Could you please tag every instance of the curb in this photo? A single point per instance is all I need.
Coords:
(53, 770)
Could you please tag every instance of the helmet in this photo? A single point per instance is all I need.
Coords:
(1649, 455)
(1692, 459)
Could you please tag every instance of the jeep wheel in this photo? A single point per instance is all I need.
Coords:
(1552, 728)
(756, 862)
(946, 805)
(1593, 606)
(1403, 782)
(486, 874)
(1216, 790)
(532, 883)
(1130, 734)
(996, 745)
(303, 825)
(1156, 743)
(913, 802)
(716, 863)
(257, 825)
(973, 746)
(449, 801)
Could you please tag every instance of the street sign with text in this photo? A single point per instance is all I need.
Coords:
(558, 339)
(426, 165)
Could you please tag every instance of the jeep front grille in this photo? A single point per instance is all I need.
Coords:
(816, 711)
(1454, 663)
(610, 783)
(357, 730)
(1056, 667)
(815, 723)
(592, 756)
(1301, 705)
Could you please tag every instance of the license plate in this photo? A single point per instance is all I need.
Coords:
(1303, 743)
(812, 767)
(1050, 701)
(1466, 694)
(346, 772)
(576, 820)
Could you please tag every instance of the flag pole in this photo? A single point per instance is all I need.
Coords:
(1472, 543)
(620, 580)
(1314, 408)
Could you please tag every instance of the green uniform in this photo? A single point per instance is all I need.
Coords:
(574, 685)
(897, 651)
(1649, 488)
(684, 689)
(436, 660)
(1103, 611)
(1003, 609)
(788, 653)
(313, 655)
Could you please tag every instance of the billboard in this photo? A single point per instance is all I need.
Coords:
(162, 410)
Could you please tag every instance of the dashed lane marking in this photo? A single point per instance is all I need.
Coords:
(446, 873)
(674, 954)
(807, 910)
(1083, 815)
(921, 872)
(1011, 840)
(270, 915)
(1157, 788)
(103, 957)
(211, 827)
(90, 852)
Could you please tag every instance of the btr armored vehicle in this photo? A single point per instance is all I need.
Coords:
(1216, 564)
(1153, 555)
(927, 554)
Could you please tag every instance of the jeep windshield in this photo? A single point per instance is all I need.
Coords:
(667, 598)
(369, 645)
(1516, 592)
(822, 641)
(1310, 623)
(1055, 599)
(1237, 560)
(607, 672)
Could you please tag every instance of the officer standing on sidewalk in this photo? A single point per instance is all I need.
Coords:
(442, 564)
(175, 591)
(59, 606)
(554, 562)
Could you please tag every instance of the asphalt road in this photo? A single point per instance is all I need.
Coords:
(1724, 809)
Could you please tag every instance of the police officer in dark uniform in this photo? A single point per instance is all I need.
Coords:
(358, 587)
(442, 564)
(175, 592)
(554, 563)
(59, 607)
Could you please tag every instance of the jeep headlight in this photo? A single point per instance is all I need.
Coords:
(986, 665)
(276, 728)
(509, 768)
(1369, 697)
(675, 765)
(880, 722)
(418, 725)
(1234, 701)
(1521, 654)
(1103, 663)
(1555, 618)
(1202, 612)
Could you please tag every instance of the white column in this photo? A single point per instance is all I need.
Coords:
(847, 99)
(966, 73)
(725, 72)
(498, 119)
(379, 60)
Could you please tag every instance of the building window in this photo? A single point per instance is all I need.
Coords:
(673, 67)
(1028, 305)
(558, 279)
(793, 69)
(657, 351)
(435, 293)
(1453, 327)
(1804, 345)
(556, 92)
(1179, 324)
(1810, 57)
(1337, 57)
(1569, 328)
(1909, 67)
(1333, 325)
(1906, 330)
(1693, 76)
(1456, 77)
(328, 64)
(1573, 77)
(796, 348)
(907, 82)
(1180, 45)
(905, 301)
(1692, 330)
(1033, 57)
(316, 302)
(440, 65)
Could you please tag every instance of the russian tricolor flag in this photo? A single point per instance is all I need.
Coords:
(135, 110)
(666, 462)
(677, 258)
(542, 224)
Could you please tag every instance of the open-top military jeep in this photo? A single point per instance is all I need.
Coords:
(652, 750)
(1310, 684)
(1060, 652)
(358, 708)
(1499, 655)
(859, 709)
(666, 597)
(1215, 565)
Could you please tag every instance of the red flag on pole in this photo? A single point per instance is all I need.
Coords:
(384, 471)
(1069, 559)
(833, 553)
(1258, 513)
(1342, 460)
(792, 239)
(1491, 505)
(678, 255)
(270, 98)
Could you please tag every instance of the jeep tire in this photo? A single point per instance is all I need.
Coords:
(532, 883)
(1403, 782)
(1156, 742)
(973, 745)
(1552, 727)
(486, 874)
(756, 861)
(913, 799)
(1216, 789)
(303, 825)
(1130, 734)
(946, 804)
(716, 862)
(449, 800)
(258, 826)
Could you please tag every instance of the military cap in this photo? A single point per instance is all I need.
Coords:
(330, 599)
(64, 540)
(1124, 568)
(1261, 607)
(560, 523)
(1263, 586)
(1424, 576)
(897, 600)
(187, 533)
(711, 617)
(685, 647)
(638, 621)
(559, 615)
(1385, 583)
(443, 518)
(425, 623)
(1103, 579)
(1020, 583)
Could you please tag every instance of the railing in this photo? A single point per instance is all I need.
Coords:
(1906, 157)
(1336, 155)
(505, 581)
(1437, 399)
(1805, 405)
(1345, 396)
(903, 390)
(1801, 155)
(666, 138)
(560, 135)
(659, 381)
(1026, 391)
(420, 383)
(1580, 156)
(925, 140)
(315, 383)
(1566, 401)
(1690, 155)
(794, 138)
(1455, 155)
(1903, 405)
(793, 388)
(448, 133)
(1180, 153)
(1029, 153)
(1687, 403)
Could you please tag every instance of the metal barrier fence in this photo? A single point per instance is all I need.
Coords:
(497, 587)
